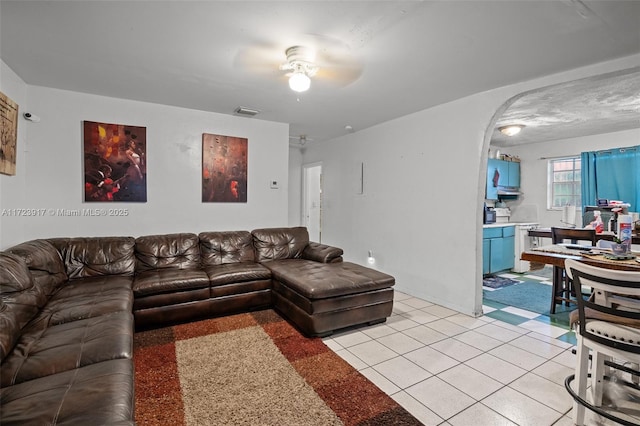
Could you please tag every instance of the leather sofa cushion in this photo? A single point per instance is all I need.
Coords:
(315, 280)
(44, 263)
(40, 255)
(170, 251)
(14, 274)
(236, 272)
(88, 257)
(17, 289)
(98, 394)
(217, 248)
(88, 298)
(280, 243)
(168, 280)
(9, 330)
(42, 352)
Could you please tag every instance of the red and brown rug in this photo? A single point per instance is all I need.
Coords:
(251, 369)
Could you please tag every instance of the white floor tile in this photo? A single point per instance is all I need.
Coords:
(467, 321)
(497, 332)
(380, 381)
(353, 360)
(536, 346)
(439, 311)
(400, 323)
(425, 334)
(478, 340)
(351, 338)
(470, 381)
(517, 356)
(542, 390)
(332, 344)
(417, 409)
(402, 372)
(417, 303)
(479, 414)
(372, 352)
(456, 349)
(521, 409)
(398, 295)
(486, 309)
(400, 343)
(431, 360)
(553, 371)
(446, 327)
(401, 307)
(544, 328)
(566, 358)
(441, 398)
(521, 312)
(378, 330)
(496, 368)
(420, 316)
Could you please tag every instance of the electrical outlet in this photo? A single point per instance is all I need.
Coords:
(274, 184)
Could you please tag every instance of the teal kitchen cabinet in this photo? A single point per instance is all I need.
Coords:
(508, 176)
(498, 247)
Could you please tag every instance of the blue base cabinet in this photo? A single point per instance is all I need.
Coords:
(498, 246)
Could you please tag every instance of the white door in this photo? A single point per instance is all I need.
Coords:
(312, 197)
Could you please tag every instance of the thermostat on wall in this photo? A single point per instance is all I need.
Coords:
(274, 184)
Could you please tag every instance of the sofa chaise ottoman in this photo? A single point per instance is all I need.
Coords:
(321, 295)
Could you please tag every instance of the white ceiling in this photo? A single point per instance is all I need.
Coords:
(379, 59)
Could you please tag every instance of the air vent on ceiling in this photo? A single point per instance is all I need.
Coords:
(245, 112)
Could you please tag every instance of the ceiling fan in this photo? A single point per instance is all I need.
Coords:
(329, 62)
(300, 140)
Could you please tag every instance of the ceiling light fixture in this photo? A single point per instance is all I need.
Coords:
(299, 81)
(511, 130)
(300, 63)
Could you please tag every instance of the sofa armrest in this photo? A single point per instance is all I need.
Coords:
(322, 253)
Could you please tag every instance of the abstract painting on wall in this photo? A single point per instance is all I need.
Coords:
(8, 135)
(224, 168)
(115, 164)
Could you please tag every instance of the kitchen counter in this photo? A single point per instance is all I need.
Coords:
(503, 224)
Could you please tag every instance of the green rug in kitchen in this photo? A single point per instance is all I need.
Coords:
(529, 295)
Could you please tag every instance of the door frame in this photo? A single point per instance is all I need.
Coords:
(306, 188)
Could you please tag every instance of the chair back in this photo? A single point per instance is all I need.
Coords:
(561, 235)
(615, 300)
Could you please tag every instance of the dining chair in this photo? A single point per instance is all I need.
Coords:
(561, 285)
(607, 324)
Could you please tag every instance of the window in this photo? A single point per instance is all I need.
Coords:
(563, 183)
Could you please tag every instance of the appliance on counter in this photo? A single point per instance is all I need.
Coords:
(489, 215)
(502, 214)
(523, 242)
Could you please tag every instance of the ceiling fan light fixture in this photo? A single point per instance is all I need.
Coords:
(299, 82)
(511, 130)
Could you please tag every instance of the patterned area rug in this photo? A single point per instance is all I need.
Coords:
(496, 282)
(254, 369)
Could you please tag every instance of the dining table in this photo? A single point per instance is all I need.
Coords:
(556, 254)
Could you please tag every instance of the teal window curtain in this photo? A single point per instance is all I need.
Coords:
(611, 174)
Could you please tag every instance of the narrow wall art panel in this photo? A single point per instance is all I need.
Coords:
(8, 135)
(115, 164)
(224, 168)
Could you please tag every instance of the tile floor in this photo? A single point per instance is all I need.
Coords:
(504, 368)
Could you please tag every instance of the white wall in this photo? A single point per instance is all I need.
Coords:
(295, 186)
(13, 187)
(51, 172)
(534, 168)
(421, 212)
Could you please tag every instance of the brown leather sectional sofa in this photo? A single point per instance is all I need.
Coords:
(69, 308)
